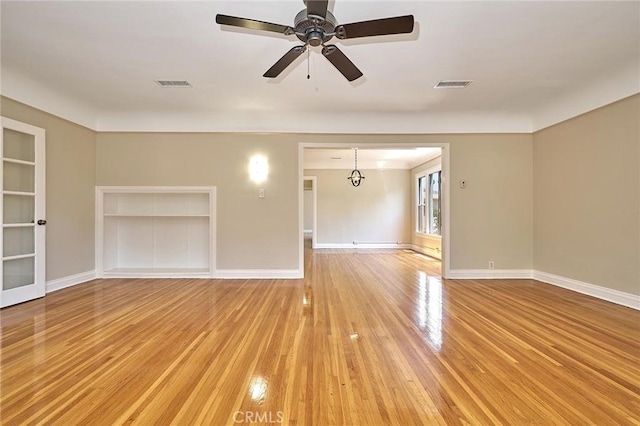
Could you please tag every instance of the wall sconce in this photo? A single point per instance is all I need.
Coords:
(258, 168)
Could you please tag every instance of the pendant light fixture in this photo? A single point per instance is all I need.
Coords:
(356, 176)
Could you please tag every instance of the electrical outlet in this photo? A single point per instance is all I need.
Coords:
(261, 193)
(491, 264)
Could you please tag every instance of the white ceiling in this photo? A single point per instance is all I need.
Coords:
(388, 158)
(532, 64)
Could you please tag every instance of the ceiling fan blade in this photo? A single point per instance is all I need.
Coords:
(285, 61)
(317, 7)
(376, 27)
(341, 62)
(253, 24)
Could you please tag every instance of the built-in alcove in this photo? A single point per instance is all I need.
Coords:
(155, 231)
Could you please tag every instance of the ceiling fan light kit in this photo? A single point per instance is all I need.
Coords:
(315, 26)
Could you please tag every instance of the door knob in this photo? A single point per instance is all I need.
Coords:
(42, 222)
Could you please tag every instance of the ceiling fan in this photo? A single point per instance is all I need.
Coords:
(315, 26)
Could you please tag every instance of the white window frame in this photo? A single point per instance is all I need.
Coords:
(419, 175)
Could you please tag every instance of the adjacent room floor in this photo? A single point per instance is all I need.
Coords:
(368, 338)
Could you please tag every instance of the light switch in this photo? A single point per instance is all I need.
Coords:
(261, 193)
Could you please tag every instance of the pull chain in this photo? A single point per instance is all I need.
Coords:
(356, 149)
(308, 76)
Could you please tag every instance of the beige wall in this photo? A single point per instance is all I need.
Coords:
(252, 232)
(308, 210)
(586, 192)
(70, 182)
(587, 197)
(307, 222)
(376, 212)
(491, 219)
(427, 244)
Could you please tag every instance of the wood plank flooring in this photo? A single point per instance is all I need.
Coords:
(368, 338)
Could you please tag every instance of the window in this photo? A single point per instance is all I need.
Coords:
(429, 189)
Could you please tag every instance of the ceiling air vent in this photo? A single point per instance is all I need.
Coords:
(452, 84)
(174, 83)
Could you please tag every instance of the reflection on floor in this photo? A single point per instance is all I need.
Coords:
(369, 337)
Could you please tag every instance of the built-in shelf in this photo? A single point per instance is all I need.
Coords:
(157, 273)
(155, 231)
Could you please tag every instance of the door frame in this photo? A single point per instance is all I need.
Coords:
(38, 288)
(446, 190)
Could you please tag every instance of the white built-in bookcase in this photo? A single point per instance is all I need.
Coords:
(146, 231)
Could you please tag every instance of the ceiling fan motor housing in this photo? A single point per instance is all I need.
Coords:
(314, 30)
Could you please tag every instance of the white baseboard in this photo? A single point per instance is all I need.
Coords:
(308, 231)
(361, 246)
(610, 295)
(470, 274)
(71, 280)
(258, 274)
(604, 293)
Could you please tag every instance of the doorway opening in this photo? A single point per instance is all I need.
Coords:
(383, 212)
(309, 211)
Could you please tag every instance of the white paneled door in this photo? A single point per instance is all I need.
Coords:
(22, 206)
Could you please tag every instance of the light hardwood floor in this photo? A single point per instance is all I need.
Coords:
(367, 338)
